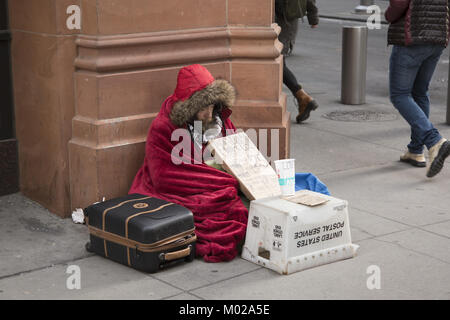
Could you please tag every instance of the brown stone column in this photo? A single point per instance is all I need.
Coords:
(257, 73)
(42, 52)
(122, 65)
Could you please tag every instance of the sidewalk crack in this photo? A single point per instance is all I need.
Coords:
(62, 263)
(412, 250)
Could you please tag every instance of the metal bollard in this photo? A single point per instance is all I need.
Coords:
(448, 96)
(354, 65)
(363, 5)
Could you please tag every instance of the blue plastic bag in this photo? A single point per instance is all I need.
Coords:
(310, 182)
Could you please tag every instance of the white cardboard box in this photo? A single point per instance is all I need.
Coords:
(287, 237)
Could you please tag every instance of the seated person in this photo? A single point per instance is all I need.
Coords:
(212, 195)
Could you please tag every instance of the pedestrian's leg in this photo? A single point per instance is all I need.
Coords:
(420, 91)
(305, 102)
(421, 97)
(290, 80)
(438, 147)
(405, 63)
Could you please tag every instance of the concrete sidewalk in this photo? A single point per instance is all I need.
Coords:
(400, 219)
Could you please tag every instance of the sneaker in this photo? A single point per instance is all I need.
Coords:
(437, 155)
(414, 159)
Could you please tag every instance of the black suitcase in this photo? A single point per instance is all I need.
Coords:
(141, 232)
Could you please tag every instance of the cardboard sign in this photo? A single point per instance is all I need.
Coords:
(307, 198)
(242, 159)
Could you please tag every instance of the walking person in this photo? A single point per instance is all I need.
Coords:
(289, 26)
(419, 32)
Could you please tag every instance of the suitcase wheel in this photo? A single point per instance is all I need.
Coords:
(154, 268)
(88, 246)
(191, 256)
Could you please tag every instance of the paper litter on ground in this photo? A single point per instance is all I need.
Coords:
(78, 216)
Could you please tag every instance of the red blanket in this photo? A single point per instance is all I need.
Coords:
(212, 195)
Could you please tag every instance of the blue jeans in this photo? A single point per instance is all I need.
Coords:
(410, 72)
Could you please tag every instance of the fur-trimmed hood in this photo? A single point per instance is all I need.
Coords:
(197, 89)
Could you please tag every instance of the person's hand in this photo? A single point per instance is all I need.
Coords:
(313, 26)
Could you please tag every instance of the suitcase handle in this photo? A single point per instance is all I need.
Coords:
(176, 254)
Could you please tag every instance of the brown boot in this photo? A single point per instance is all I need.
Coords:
(305, 105)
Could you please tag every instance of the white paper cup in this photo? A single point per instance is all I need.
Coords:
(286, 176)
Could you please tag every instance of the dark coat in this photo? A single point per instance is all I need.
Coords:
(418, 22)
(289, 28)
